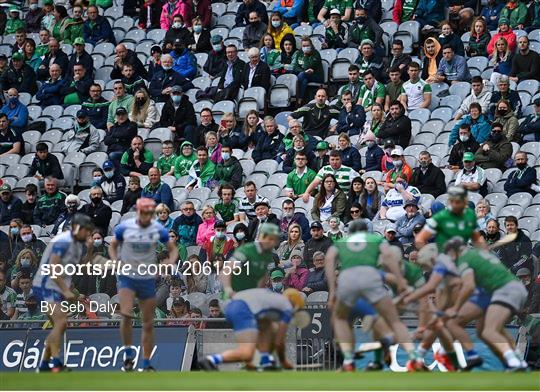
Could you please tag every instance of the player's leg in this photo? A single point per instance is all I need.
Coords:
(54, 339)
(126, 297)
(148, 307)
(265, 343)
(493, 333)
(344, 334)
(381, 356)
(469, 311)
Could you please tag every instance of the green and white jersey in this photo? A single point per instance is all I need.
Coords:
(9, 299)
(359, 249)
(254, 262)
(369, 95)
(409, 6)
(445, 225)
(489, 273)
(344, 175)
(415, 92)
(413, 274)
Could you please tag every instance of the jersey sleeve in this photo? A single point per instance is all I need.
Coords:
(427, 88)
(320, 174)
(119, 232)
(432, 224)
(60, 248)
(286, 316)
(464, 268)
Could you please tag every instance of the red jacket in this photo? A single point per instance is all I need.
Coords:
(204, 10)
(209, 249)
(510, 36)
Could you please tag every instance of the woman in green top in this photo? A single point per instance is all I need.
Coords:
(307, 64)
(30, 56)
(280, 61)
(377, 118)
(479, 39)
(61, 21)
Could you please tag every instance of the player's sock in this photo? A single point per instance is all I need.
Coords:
(378, 354)
(348, 357)
(511, 359)
(216, 359)
(266, 359)
(146, 363)
(387, 340)
(454, 359)
(44, 365)
(421, 351)
(56, 362)
(471, 354)
(129, 353)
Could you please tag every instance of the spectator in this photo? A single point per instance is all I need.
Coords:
(154, 61)
(479, 38)
(526, 62)
(465, 143)
(247, 203)
(429, 12)
(390, 235)
(63, 222)
(452, 68)
(10, 205)
(27, 210)
(121, 100)
(371, 92)
(262, 215)
(405, 225)
(185, 63)
(296, 276)
(132, 82)
(448, 37)
(477, 122)
(76, 88)
(397, 127)
(45, 164)
(187, 224)
(50, 205)
(83, 137)
(373, 153)
(290, 217)
(501, 59)
(349, 154)
(55, 55)
(96, 107)
(516, 13)
(214, 147)
(478, 94)
(337, 32)
(269, 142)
(504, 32)
(330, 201)
(99, 212)
(256, 73)
(321, 158)
(74, 26)
(166, 160)
(165, 79)
(292, 244)
(495, 151)
(491, 12)
(119, 136)
(505, 93)
(179, 116)
(317, 242)
(300, 176)
(524, 179)
(43, 47)
(158, 190)
(228, 133)
(400, 166)
(19, 76)
(29, 54)
(277, 28)
(484, 214)
(227, 207)
(355, 83)
(20, 41)
(144, 112)
(206, 229)
(396, 197)
(299, 145)
(49, 93)
(516, 254)
(344, 9)
(369, 60)
(291, 11)
(136, 160)
(364, 26)
(316, 116)
(432, 59)
(16, 111)
(177, 31)
(377, 119)
(28, 241)
(533, 23)
(393, 87)
(307, 65)
(471, 177)
(14, 21)
(33, 17)
(229, 169)
(185, 160)
(505, 116)
(399, 59)
(149, 13)
(217, 59)
(415, 93)
(218, 245)
(10, 241)
(202, 170)
(132, 194)
(252, 130)
(8, 297)
(428, 178)
(127, 56)
(248, 6)
(530, 128)
(112, 183)
(268, 52)
(232, 76)
(253, 31)
(203, 10)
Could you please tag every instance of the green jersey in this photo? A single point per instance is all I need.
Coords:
(253, 268)
(359, 249)
(445, 225)
(226, 211)
(164, 163)
(489, 273)
(413, 274)
(299, 183)
(368, 96)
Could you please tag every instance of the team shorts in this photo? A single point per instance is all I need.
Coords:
(480, 298)
(360, 282)
(512, 295)
(47, 295)
(143, 288)
(363, 308)
(237, 313)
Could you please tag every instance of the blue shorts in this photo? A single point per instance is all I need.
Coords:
(143, 288)
(480, 298)
(363, 308)
(48, 295)
(237, 313)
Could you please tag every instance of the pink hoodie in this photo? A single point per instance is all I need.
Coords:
(180, 7)
(205, 231)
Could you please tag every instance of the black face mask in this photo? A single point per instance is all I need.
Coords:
(178, 50)
(496, 136)
(96, 200)
(141, 101)
(502, 112)
(361, 19)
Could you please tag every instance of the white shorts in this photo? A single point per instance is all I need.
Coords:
(360, 282)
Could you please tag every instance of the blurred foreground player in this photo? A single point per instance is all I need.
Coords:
(139, 238)
(66, 248)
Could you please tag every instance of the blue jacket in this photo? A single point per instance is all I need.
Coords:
(351, 157)
(430, 12)
(267, 146)
(457, 69)
(186, 227)
(504, 67)
(294, 12)
(185, 64)
(374, 157)
(353, 122)
(49, 93)
(162, 79)
(480, 129)
(489, 12)
(100, 31)
(405, 226)
(21, 112)
(161, 194)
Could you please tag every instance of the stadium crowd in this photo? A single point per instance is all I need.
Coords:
(304, 114)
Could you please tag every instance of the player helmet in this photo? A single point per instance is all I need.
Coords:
(357, 225)
(454, 244)
(295, 298)
(146, 204)
(82, 221)
(457, 192)
(426, 255)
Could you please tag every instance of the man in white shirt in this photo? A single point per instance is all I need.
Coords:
(471, 177)
(415, 93)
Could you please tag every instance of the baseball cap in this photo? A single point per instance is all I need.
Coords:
(523, 272)
(79, 41)
(269, 229)
(277, 274)
(108, 165)
(391, 227)
(335, 11)
(216, 39)
(48, 2)
(14, 8)
(220, 224)
(82, 113)
(5, 188)
(17, 56)
(3, 57)
(397, 151)
(411, 202)
(176, 89)
(121, 110)
(322, 145)
(316, 225)
(436, 206)
(468, 157)
(261, 203)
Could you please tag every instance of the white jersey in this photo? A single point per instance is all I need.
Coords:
(138, 245)
(70, 252)
(266, 304)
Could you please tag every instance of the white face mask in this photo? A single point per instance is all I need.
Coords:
(288, 215)
(463, 138)
(370, 143)
(217, 47)
(226, 156)
(98, 243)
(397, 162)
(240, 235)
(306, 49)
(33, 7)
(26, 237)
(177, 25)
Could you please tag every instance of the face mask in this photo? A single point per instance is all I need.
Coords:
(424, 164)
(464, 138)
(33, 7)
(14, 230)
(13, 101)
(240, 236)
(226, 156)
(72, 207)
(298, 148)
(397, 162)
(96, 200)
(388, 151)
(25, 263)
(166, 67)
(177, 25)
(288, 215)
(82, 124)
(98, 243)
(370, 143)
(496, 136)
(502, 112)
(306, 49)
(276, 23)
(217, 47)
(197, 28)
(521, 166)
(277, 286)
(109, 174)
(97, 179)
(176, 99)
(141, 101)
(26, 237)
(361, 19)
(220, 234)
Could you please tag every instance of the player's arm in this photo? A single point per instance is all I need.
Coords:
(430, 286)
(423, 237)
(467, 288)
(113, 249)
(64, 288)
(389, 259)
(173, 253)
(330, 266)
(479, 241)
